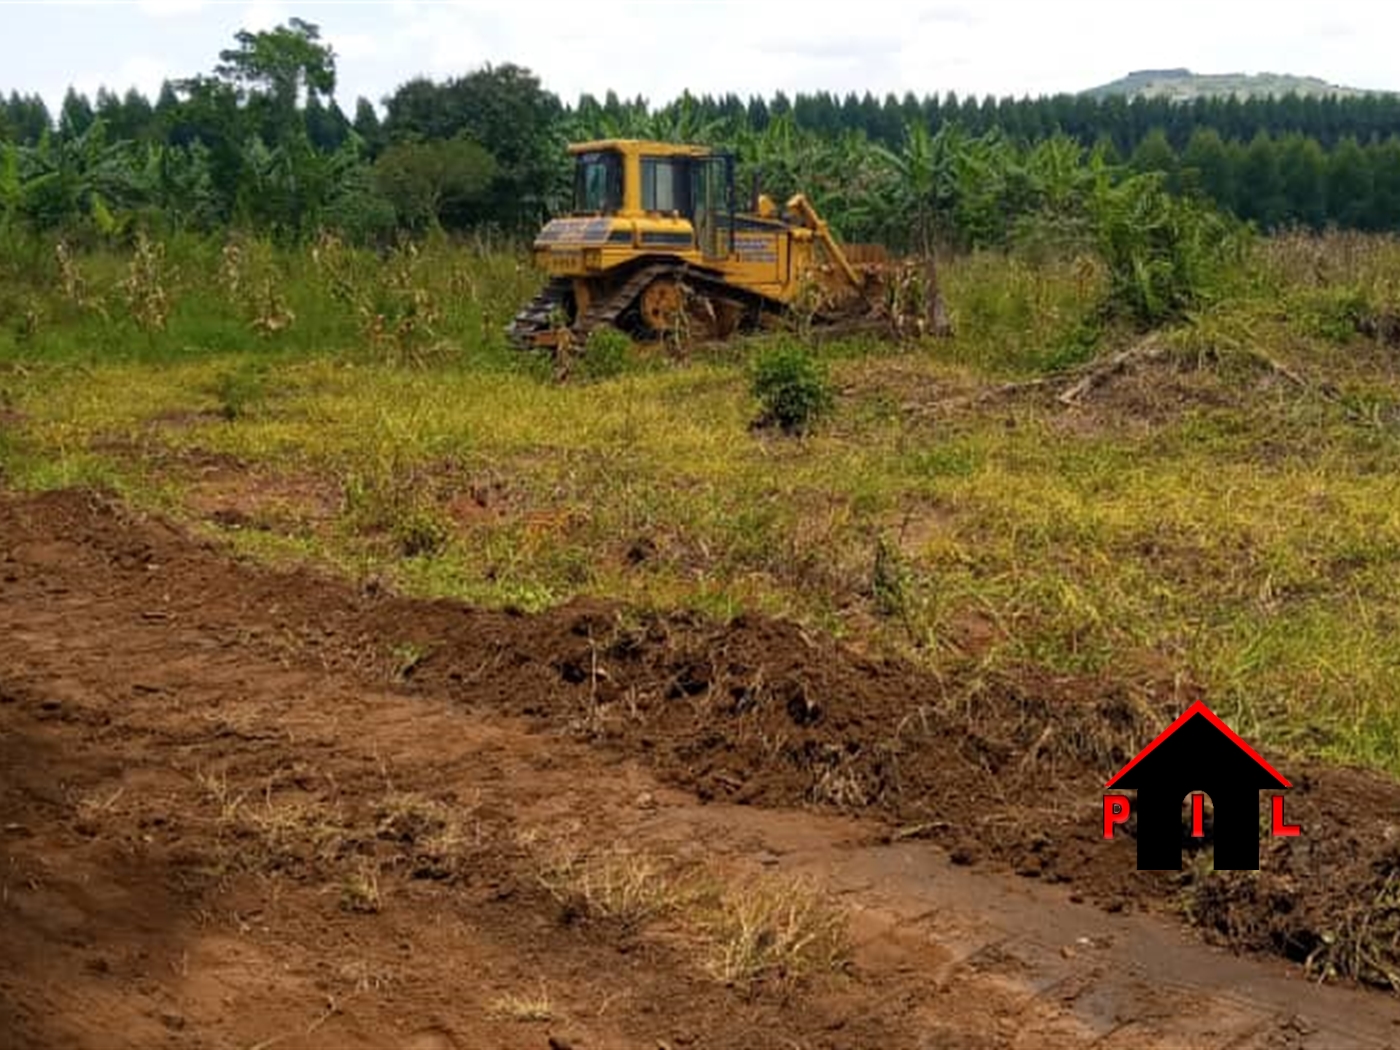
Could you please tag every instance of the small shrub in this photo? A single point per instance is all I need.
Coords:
(420, 530)
(1338, 313)
(1077, 344)
(70, 279)
(1166, 255)
(240, 392)
(890, 579)
(145, 286)
(607, 354)
(391, 501)
(792, 388)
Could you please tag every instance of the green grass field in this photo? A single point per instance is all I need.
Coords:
(1227, 513)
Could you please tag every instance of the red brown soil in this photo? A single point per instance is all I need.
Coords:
(152, 690)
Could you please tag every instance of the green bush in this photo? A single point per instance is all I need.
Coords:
(1077, 343)
(1166, 255)
(792, 388)
(1335, 314)
(607, 354)
(241, 391)
(420, 530)
(390, 500)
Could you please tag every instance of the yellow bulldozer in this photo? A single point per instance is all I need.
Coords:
(656, 247)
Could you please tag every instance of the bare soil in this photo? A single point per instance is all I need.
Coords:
(247, 808)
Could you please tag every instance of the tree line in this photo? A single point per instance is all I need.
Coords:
(259, 142)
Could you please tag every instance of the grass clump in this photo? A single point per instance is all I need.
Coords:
(769, 930)
(775, 931)
(525, 1007)
(792, 388)
(241, 391)
(359, 891)
(430, 834)
(607, 354)
(620, 885)
(385, 501)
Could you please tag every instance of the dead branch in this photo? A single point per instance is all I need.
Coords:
(1148, 349)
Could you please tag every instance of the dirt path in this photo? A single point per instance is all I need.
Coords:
(243, 809)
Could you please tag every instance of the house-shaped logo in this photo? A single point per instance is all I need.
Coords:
(1198, 753)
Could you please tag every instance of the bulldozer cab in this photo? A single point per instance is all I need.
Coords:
(635, 179)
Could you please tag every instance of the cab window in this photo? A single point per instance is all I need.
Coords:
(665, 184)
(598, 183)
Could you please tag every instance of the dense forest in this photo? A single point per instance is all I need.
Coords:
(260, 142)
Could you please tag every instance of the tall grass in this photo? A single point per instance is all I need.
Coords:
(444, 301)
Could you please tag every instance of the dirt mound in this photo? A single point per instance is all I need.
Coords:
(1005, 771)
(1330, 899)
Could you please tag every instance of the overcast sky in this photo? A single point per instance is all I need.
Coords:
(659, 48)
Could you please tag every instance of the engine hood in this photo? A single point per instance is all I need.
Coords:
(580, 232)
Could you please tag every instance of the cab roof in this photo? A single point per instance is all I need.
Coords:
(654, 149)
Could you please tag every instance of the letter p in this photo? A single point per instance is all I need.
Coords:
(1115, 811)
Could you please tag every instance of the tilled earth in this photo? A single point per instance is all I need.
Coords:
(247, 808)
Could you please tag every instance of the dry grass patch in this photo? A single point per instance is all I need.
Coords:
(767, 930)
(432, 834)
(352, 849)
(1365, 944)
(298, 830)
(524, 1008)
(621, 885)
(95, 812)
(359, 890)
(775, 930)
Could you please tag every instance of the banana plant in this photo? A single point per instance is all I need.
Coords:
(684, 121)
(81, 177)
(1058, 174)
(15, 189)
(182, 185)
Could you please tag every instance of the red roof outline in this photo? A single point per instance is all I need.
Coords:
(1199, 708)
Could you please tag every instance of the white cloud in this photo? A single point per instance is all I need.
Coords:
(658, 48)
(141, 72)
(262, 15)
(1333, 29)
(957, 14)
(353, 46)
(169, 8)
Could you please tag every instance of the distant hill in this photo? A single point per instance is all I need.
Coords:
(1183, 85)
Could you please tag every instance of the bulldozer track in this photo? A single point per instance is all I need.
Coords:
(539, 314)
(713, 288)
(607, 310)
